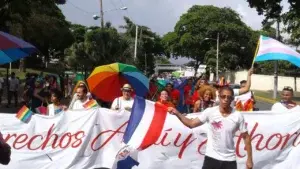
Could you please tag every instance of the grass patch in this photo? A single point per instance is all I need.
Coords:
(19, 74)
(269, 95)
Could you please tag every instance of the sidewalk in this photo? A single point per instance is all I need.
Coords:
(267, 96)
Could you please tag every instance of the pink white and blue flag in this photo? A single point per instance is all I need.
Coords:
(144, 127)
(271, 49)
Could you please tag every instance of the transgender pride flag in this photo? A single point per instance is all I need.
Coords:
(271, 49)
(145, 125)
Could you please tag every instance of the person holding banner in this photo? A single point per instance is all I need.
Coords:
(207, 96)
(56, 106)
(164, 99)
(286, 102)
(125, 102)
(223, 122)
(82, 98)
(5, 151)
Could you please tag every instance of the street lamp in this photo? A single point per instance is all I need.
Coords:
(217, 64)
(96, 17)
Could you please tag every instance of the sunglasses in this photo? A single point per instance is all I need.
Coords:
(126, 90)
(226, 96)
(288, 88)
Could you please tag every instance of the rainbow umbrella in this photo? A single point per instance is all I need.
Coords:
(106, 81)
(13, 48)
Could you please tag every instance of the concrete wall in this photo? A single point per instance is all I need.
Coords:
(263, 82)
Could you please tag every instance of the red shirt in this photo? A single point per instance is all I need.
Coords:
(195, 97)
(187, 96)
(175, 95)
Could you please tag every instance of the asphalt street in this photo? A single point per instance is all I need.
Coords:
(263, 105)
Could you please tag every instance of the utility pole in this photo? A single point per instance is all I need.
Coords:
(101, 14)
(217, 66)
(145, 64)
(275, 90)
(136, 39)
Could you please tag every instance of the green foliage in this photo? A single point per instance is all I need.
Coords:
(201, 22)
(99, 46)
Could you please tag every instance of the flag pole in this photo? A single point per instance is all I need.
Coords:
(256, 51)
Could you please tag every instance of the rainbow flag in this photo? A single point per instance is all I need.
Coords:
(90, 104)
(271, 49)
(24, 114)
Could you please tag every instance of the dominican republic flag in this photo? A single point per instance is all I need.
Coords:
(144, 128)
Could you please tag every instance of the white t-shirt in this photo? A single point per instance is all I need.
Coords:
(121, 103)
(52, 110)
(13, 84)
(78, 104)
(279, 107)
(236, 92)
(221, 132)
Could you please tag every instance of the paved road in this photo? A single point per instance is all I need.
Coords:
(263, 105)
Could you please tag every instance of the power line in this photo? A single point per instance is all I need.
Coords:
(78, 8)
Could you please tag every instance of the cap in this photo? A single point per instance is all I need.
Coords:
(126, 87)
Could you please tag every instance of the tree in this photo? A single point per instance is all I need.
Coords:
(200, 22)
(39, 22)
(149, 45)
(99, 46)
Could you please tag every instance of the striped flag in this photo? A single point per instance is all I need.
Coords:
(271, 49)
(144, 128)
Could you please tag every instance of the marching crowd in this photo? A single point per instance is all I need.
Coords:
(44, 95)
(215, 100)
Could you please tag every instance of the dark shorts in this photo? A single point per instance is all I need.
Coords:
(211, 163)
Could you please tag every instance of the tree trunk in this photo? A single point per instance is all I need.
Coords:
(196, 67)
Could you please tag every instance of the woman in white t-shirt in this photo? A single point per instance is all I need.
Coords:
(55, 107)
(286, 102)
(125, 102)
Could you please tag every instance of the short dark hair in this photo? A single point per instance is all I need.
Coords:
(84, 89)
(57, 94)
(170, 85)
(243, 81)
(227, 88)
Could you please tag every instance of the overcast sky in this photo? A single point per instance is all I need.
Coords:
(159, 15)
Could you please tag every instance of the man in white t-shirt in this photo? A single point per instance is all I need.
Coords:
(223, 122)
(81, 99)
(286, 102)
(125, 102)
(13, 89)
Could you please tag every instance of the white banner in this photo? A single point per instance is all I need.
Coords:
(91, 139)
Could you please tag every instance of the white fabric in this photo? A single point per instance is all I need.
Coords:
(121, 104)
(13, 84)
(78, 104)
(280, 107)
(244, 97)
(221, 131)
(275, 146)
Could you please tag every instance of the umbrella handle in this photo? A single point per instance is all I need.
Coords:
(154, 94)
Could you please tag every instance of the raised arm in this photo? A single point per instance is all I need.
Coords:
(248, 84)
(190, 123)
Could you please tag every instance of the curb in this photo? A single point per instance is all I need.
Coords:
(272, 101)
